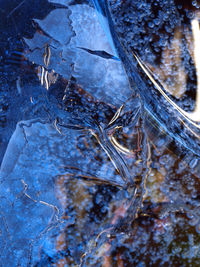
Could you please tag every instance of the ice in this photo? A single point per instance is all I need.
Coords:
(57, 25)
(78, 26)
(93, 177)
(15, 148)
(31, 208)
(61, 2)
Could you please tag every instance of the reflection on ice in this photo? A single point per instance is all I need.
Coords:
(142, 43)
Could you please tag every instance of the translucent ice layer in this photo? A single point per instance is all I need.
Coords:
(78, 27)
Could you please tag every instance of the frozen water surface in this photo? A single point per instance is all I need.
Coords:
(99, 133)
